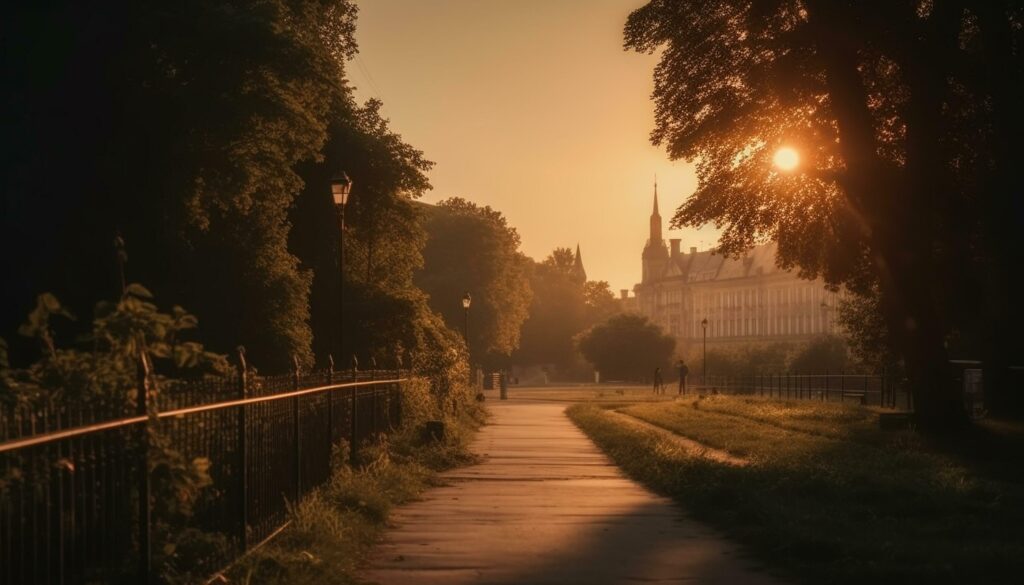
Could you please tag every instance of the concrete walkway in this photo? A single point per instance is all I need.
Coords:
(546, 506)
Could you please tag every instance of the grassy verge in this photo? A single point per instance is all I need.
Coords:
(332, 529)
(826, 499)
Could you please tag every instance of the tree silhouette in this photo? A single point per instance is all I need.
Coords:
(472, 248)
(904, 115)
(180, 126)
(626, 347)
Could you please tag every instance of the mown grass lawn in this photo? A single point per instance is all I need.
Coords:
(828, 498)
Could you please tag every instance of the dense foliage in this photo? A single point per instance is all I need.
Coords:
(627, 347)
(473, 249)
(563, 305)
(106, 374)
(130, 339)
(212, 132)
(823, 353)
(190, 146)
(906, 117)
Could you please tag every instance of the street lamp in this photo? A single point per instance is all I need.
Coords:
(704, 373)
(341, 188)
(467, 300)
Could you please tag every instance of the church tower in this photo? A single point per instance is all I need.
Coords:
(578, 273)
(655, 256)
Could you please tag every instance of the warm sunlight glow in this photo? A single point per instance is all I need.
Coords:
(786, 159)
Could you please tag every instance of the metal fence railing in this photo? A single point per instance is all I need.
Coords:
(868, 389)
(79, 488)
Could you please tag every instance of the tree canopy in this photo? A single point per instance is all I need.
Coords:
(563, 305)
(904, 115)
(626, 347)
(180, 127)
(204, 135)
(473, 249)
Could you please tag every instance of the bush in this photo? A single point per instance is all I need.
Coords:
(626, 347)
(825, 352)
(745, 360)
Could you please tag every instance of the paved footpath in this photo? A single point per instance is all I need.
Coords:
(546, 506)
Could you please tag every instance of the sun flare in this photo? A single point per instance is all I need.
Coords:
(786, 159)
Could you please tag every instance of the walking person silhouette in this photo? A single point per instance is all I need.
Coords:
(659, 383)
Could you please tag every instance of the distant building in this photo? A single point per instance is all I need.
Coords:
(746, 299)
(627, 304)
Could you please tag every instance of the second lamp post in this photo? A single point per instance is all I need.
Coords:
(341, 188)
(467, 300)
(704, 373)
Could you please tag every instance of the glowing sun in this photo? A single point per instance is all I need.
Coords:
(786, 159)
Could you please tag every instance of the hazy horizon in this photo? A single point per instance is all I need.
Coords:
(538, 113)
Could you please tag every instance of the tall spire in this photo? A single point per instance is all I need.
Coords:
(655, 234)
(655, 256)
(577, 268)
(655, 212)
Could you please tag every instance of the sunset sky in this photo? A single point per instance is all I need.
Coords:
(532, 107)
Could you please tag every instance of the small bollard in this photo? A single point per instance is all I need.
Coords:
(433, 431)
(504, 386)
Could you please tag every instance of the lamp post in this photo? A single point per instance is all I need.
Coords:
(341, 188)
(467, 300)
(704, 373)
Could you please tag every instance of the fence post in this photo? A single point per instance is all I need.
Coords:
(864, 400)
(374, 423)
(826, 385)
(330, 406)
(142, 409)
(243, 455)
(297, 435)
(396, 395)
(842, 386)
(355, 402)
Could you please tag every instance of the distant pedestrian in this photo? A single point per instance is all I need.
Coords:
(659, 383)
(683, 373)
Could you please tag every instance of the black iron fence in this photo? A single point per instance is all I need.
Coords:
(868, 389)
(82, 499)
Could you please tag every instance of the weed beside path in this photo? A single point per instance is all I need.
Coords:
(826, 498)
(331, 530)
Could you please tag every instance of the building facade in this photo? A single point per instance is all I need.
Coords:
(744, 300)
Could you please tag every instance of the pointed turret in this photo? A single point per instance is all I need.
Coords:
(578, 272)
(655, 252)
(655, 218)
(655, 212)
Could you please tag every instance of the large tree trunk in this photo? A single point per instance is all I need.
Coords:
(897, 225)
(915, 332)
(929, 239)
